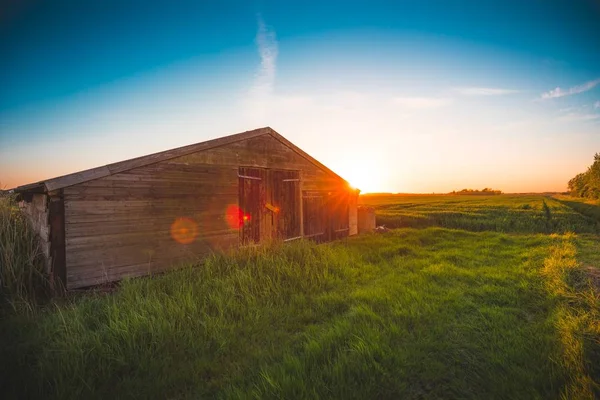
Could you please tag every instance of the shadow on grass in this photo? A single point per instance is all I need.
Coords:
(589, 211)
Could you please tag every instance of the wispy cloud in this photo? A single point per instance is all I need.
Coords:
(574, 117)
(258, 103)
(420, 102)
(597, 104)
(267, 49)
(485, 91)
(558, 92)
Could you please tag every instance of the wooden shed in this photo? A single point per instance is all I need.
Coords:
(156, 212)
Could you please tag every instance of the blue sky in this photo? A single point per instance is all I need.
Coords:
(403, 96)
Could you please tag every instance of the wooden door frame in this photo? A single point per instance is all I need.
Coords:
(266, 224)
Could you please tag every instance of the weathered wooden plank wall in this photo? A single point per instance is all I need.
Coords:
(155, 217)
(131, 223)
(56, 218)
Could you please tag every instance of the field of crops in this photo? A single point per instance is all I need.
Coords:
(504, 213)
(471, 297)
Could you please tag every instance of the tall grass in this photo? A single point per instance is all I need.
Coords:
(194, 328)
(577, 318)
(430, 313)
(22, 279)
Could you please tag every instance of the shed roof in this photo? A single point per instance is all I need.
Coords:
(60, 182)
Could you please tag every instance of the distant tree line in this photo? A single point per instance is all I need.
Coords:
(485, 191)
(587, 184)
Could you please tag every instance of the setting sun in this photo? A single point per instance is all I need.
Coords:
(368, 177)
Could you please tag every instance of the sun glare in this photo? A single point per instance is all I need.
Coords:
(367, 178)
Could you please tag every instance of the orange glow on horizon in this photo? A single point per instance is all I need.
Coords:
(370, 180)
(371, 173)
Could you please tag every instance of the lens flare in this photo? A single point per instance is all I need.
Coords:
(184, 230)
(234, 216)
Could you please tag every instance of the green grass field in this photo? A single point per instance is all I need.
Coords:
(505, 213)
(471, 298)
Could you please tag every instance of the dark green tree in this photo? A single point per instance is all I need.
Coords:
(587, 184)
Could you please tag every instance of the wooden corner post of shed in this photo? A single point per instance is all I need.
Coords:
(58, 270)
